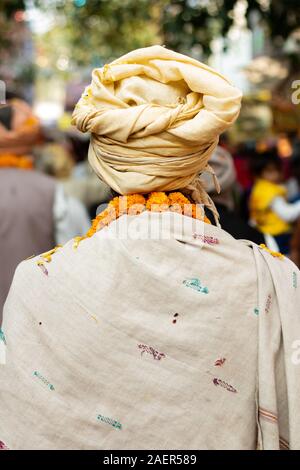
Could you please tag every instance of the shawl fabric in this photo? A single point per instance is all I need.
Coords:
(153, 344)
(155, 118)
(278, 352)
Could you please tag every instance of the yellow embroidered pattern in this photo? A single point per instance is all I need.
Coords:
(275, 254)
(46, 258)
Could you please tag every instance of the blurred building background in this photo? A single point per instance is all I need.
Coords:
(48, 48)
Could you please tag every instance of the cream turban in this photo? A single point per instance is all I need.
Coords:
(155, 117)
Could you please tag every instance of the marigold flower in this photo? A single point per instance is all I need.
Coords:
(156, 199)
(136, 199)
(135, 204)
(178, 198)
(197, 212)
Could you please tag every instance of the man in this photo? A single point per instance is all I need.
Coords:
(222, 163)
(157, 330)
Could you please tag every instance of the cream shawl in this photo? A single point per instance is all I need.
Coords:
(145, 344)
(155, 117)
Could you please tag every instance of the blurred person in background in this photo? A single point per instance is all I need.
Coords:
(35, 212)
(64, 156)
(83, 183)
(242, 156)
(225, 201)
(293, 184)
(295, 245)
(294, 193)
(270, 212)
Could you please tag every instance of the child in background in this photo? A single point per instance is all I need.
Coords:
(269, 210)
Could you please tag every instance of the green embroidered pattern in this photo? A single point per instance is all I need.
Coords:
(46, 382)
(110, 421)
(195, 284)
(295, 283)
(2, 337)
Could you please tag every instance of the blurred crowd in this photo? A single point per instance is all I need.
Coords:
(266, 190)
(49, 194)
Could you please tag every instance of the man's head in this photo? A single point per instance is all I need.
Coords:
(19, 129)
(155, 117)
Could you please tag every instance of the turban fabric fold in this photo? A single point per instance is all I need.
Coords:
(155, 117)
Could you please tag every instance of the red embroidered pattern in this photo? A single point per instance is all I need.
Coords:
(43, 268)
(223, 384)
(268, 303)
(283, 444)
(156, 354)
(267, 415)
(3, 446)
(220, 362)
(206, 239)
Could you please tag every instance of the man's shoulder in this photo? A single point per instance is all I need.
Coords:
(74, 256)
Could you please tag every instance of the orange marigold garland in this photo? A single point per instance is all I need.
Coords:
(178, 198)
(177, 202)
(135, 204)
(157, 202)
